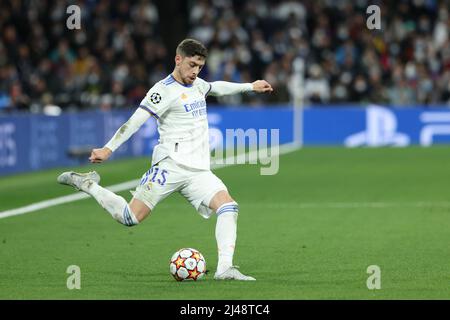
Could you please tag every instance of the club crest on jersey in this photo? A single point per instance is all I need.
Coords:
(184, 96)
(155, 98)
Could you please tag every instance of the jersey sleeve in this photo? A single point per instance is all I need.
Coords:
(156, 101)
(223, 88)
(127, 129)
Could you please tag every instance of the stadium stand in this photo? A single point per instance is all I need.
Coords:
(123, 48)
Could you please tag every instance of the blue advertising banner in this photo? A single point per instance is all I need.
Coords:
(376, 126)
(34, 142)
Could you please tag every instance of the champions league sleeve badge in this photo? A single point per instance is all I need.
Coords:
(155, 98)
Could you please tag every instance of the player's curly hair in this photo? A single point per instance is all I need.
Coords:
(192, 47)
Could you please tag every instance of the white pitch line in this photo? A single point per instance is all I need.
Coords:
(283, 149)
(350, 205)
(64, 199)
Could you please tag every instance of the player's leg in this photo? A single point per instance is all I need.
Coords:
(158, 182)
(208, 194)
(126, 214)
(139, 208)
(227, 211)
(226, 228)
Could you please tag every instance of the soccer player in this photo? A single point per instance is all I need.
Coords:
(181, 160)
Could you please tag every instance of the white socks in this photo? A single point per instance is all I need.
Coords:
(226, 231)
(114, 204)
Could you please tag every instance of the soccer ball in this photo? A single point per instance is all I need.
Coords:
(187, 264)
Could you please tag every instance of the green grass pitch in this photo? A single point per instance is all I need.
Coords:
(309, 232)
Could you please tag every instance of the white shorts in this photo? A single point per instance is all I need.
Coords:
(167, 176)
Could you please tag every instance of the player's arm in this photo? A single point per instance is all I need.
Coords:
(155, 104)
(121, 136)
(222, 88)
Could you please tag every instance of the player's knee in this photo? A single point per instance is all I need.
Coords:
(139, 209)
(141, 215)
(220, 199)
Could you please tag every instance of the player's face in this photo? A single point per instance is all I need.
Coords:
(189, 68)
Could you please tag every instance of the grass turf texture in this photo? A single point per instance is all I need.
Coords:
(309, 232)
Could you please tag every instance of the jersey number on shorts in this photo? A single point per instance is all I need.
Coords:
(152, 175)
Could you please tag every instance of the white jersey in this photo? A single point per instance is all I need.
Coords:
(182, 123)
(180, 111)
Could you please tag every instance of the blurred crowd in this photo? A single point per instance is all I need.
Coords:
(406, 62)
(110, 62)
(119, 53)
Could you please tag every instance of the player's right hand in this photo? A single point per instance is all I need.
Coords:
(100, 155)
(262, 86)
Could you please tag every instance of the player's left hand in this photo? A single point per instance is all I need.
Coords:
(262, 86)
